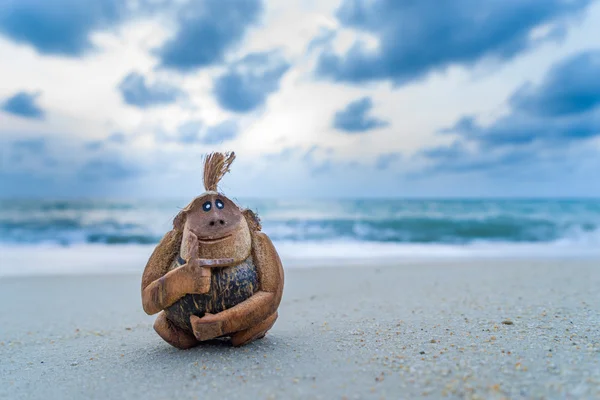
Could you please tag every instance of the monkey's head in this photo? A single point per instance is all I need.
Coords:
(222, 228)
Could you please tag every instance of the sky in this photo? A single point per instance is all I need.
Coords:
(328, 98)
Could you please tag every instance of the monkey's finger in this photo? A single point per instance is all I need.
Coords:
(216, 262)
(209, 318)
(193, 245)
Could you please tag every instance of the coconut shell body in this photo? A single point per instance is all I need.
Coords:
(229, 286)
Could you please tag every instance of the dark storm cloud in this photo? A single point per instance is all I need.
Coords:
(418, 37)
(247, 83)
(206, 30)
(136, 91)
(354, 117)
(543, 123)
(23, 104)
(571, 87)
(59, 27)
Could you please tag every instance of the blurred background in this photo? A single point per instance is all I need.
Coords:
(364, 129)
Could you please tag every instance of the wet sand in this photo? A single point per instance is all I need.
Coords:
(470, 329)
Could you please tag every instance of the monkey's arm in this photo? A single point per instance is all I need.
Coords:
(160, 288)
(258, 307)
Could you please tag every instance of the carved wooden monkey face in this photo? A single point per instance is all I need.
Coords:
(213, 218)
(220, 227)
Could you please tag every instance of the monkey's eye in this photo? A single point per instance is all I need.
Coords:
(207, 206)
(219, 204)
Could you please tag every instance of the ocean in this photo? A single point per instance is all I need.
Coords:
(321, 228)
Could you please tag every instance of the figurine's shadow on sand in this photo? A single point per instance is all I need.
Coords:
(208, 350)
(213, 346)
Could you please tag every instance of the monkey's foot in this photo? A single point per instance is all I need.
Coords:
(173, 335)
(254, 333)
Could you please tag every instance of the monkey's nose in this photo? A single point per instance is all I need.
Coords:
(216, 221)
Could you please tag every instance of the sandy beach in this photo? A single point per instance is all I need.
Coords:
(470, 329)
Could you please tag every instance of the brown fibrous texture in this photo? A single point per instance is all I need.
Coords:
(216, 165)
(252, 219)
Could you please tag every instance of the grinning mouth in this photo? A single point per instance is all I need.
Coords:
(213, 240)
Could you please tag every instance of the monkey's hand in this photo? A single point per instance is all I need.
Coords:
(198, 272)
(198, 269)
(191, 278)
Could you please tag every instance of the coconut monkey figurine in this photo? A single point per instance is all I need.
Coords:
(215, 274)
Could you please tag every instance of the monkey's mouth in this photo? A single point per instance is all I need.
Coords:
(210, 241)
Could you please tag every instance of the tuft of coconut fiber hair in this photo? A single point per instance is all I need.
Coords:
(216, 165)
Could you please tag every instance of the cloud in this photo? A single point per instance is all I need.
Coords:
(108, 168)
(190, 132)
(458, 158)
(544, 122)
(416, 38)
(53, 156)
(318, 160)
(22, 150)
(384, 161)
(197, 132)
(58, 27)
(117, 137)
(286, 154)
(60, 166)
(114, 139)
(354, 119)
(223, 132)
(34, 145)
(571, 87)
(323, 40)
(207, 29)
(95, 145)
(137, 92)
(24, 105)
(248, 82)
(521, 128)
